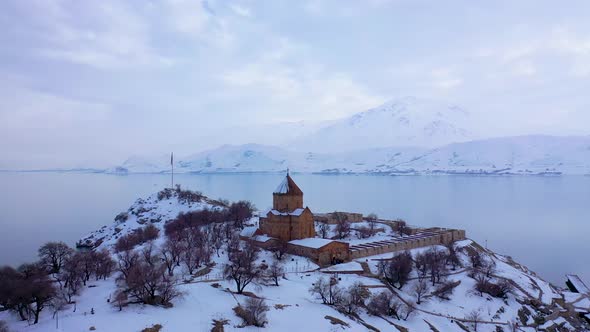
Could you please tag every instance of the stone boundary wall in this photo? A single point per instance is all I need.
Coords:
(330, 218)
(418, 240)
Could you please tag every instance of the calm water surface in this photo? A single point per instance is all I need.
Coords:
(542, 222)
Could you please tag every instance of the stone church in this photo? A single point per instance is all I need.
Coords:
(288, 219)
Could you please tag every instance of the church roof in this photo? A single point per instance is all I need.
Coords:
(288, 186)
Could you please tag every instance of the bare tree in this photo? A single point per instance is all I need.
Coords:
(72, 275)
(354, 298)
(54, 254)
(38, 289)
(195, 249)
(103, 264)
(499, 289)
(171, 252)
(275, 271)
(240, 212)
(324, 230)
(126, 260)
(402, 227)
(242, 268)
(406, 310)
(452, 256)
(398, 269)
(382, 304)
(372, 222)
(342, 225)
(420, 289)
(120, 298)
(431, 263)
(476, 259)
(216, 237)
(279, 249)
(327, 291)
(474, 317)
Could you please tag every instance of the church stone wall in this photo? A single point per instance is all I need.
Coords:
(287, 228)
(286, 202)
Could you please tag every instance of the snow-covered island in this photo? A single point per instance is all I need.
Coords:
(174, 261)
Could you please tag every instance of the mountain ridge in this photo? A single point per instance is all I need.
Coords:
(526, 155)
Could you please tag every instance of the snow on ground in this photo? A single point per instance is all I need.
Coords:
(344, 267)
(292, 306)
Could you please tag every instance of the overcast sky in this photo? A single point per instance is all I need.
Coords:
(92, 82)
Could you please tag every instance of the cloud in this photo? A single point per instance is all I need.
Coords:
(240, 10)
(304, 89)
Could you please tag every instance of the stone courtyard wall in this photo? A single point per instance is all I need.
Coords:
(418, 240)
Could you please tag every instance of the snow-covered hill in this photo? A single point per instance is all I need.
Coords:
(531, 302)
(408, 121)
(526, 155)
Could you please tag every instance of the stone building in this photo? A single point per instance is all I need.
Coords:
(288, 219)
(322, 251)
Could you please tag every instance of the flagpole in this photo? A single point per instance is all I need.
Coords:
(172, 166)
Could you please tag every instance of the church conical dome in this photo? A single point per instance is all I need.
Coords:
(288, 187)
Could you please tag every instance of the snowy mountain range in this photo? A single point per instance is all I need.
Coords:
(407, 136)
(408, 121)
(526, 155)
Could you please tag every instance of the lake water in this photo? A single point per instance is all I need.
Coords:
(542, 222)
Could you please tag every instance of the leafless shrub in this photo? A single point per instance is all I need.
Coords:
(445, 290)
(419, 290)
(500, 289)
(402, 227)
(253, 312)
(120, 299)
(342, 225)
(327, 290)
(474, 318)
(452, 256)
(154, 328)
(324, 230)
(432, 263)
(279, 249)
(372, 221)
(137, 237)
(364, 232)
(476, 259)
(149, 283)
(381, 304)
(353, 298)
(397, 270)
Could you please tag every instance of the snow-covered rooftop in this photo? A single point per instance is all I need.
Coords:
(296, 212)
(248, 231)
(262, 238)
(283, 188)
(314, 242)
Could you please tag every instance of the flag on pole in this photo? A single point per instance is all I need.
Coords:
(172, 158)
